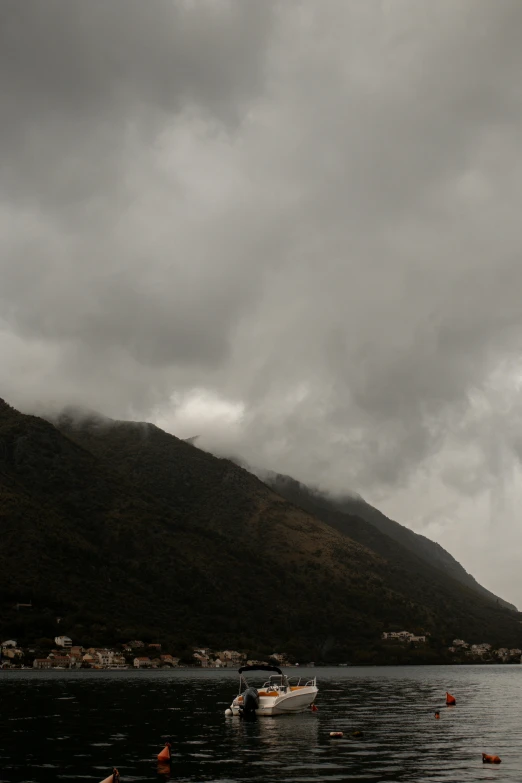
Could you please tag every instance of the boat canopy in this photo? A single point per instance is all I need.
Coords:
(260, 668)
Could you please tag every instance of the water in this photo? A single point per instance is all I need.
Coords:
(61, 726)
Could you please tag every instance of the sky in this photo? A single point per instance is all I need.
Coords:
(291, 228)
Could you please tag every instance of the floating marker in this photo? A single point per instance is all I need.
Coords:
(165, 753)
(113, 778)
(437, 715)
(486, 759)
(313, 708)
(450, 700)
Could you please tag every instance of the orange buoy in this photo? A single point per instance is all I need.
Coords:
(113, 778)
(437, 715)
(336, 734)
(165, 753)
(313, 708)
(486, 759)
(450, 700)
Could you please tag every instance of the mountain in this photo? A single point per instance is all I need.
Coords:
(428, 550)
(124, 531)
(329, 508)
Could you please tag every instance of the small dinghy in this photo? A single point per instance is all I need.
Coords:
(278, 695)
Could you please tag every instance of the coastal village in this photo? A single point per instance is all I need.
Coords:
(486, 651)
(134, 654)
(137, 654)
(483, 652)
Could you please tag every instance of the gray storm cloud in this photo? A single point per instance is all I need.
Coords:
(289, 227)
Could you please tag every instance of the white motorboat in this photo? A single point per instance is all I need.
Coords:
(278, 696)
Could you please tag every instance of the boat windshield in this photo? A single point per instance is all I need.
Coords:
(276, 681)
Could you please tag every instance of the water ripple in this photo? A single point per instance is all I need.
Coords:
(124, 718)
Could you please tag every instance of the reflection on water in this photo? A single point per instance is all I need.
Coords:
(274, 734)
(77, 725)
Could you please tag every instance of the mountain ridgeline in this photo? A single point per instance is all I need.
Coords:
(340, 512)
(124, 531)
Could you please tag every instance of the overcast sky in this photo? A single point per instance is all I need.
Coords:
(292, 228)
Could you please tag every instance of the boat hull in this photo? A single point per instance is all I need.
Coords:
(295, 701)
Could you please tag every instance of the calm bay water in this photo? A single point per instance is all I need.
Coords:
(59, 726)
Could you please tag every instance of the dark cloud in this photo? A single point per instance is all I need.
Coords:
(291, 228)
(84, 83)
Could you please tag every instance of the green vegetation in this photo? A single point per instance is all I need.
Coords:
(349, 514)
(124, 531)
